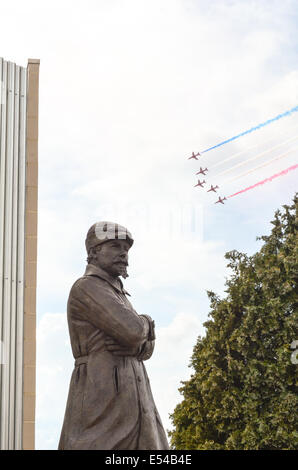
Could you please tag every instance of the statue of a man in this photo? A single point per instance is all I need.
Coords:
(110, 404)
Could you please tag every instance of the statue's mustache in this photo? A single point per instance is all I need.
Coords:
(121, 261)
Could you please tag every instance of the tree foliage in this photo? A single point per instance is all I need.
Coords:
(243, 392)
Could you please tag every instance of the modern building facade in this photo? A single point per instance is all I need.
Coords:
(18, 251)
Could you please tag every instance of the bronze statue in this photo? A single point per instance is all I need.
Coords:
(110, 404)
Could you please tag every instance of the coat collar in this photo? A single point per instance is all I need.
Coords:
(92, 270)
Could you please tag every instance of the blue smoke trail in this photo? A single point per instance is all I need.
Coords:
(286, 113)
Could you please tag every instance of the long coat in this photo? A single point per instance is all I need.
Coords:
(110, 404)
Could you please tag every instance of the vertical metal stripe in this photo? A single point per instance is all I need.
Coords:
(7, 253)
(2, 193)
(21, 258)
(2, 225)
(14, 261)
(12, 243)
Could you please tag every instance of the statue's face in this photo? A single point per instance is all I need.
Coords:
(112, 256)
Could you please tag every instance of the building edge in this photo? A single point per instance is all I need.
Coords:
(31, 206)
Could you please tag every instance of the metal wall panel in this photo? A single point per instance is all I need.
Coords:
(12, 237)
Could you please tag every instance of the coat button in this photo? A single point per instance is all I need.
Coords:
(139, 379)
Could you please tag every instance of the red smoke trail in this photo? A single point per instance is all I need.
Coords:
(267, 180)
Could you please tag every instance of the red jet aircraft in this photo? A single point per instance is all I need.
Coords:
(221, 200)
(200, 183)
(194, 155)
(202, 171)
(213, 189)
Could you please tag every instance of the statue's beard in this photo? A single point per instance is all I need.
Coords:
(125, 273)
(122, 269)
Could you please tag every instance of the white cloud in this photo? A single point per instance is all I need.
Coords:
(54, 366)
(53, 344)
(168, 366)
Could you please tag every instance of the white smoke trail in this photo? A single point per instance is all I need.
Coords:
(248, 149)
(283, 155)
(257, 156)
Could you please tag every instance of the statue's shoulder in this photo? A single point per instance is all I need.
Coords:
(86, 282)
(84, 288)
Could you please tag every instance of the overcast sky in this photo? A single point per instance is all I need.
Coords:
(128, 89)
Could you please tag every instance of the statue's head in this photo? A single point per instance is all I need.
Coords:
(107, 245)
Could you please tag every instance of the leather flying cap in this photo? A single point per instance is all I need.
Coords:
(102, 232)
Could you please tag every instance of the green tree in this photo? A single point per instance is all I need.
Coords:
(243, 392)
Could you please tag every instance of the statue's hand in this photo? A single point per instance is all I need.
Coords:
(119, 350)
